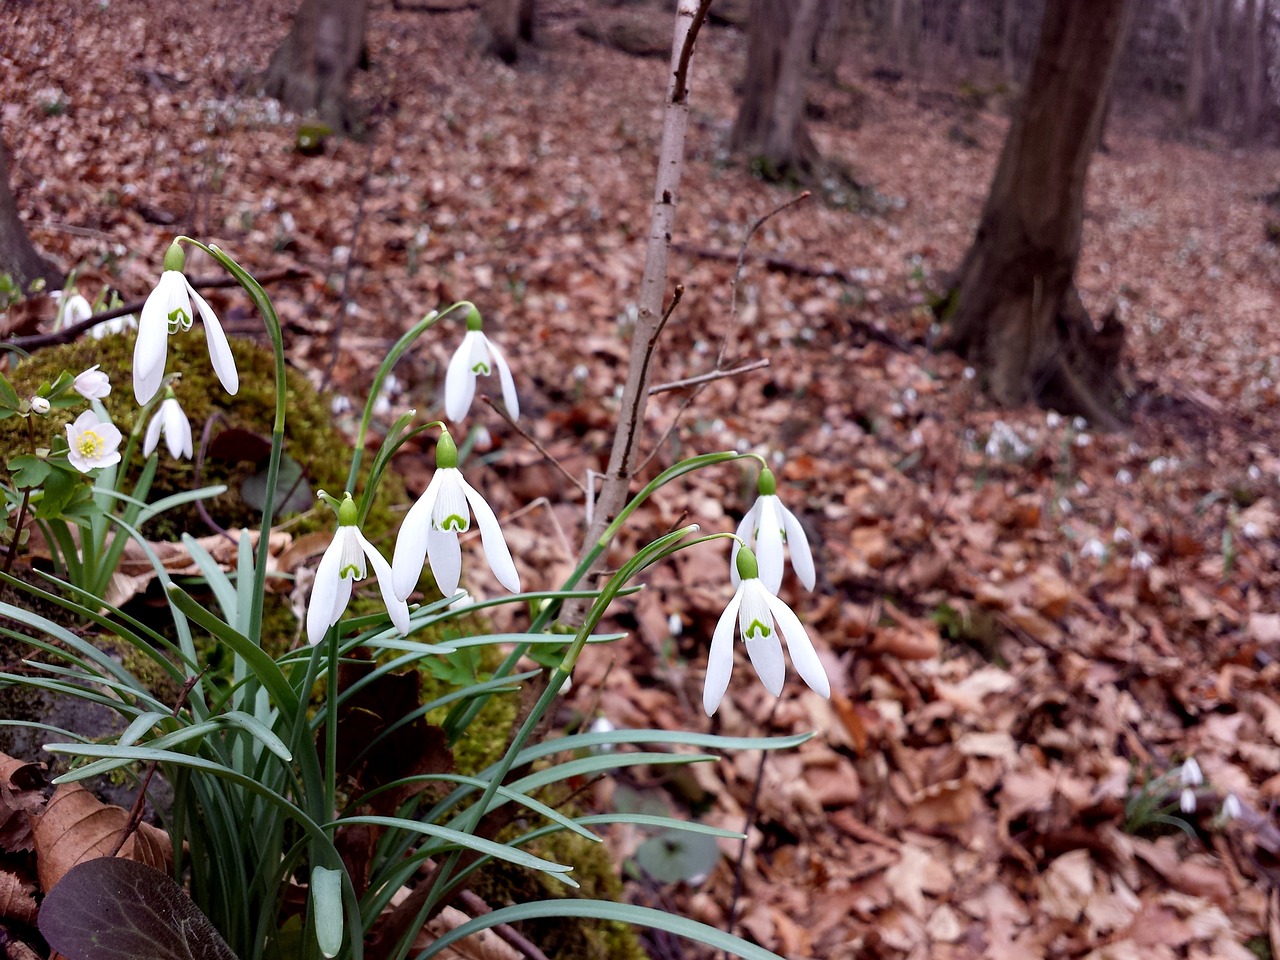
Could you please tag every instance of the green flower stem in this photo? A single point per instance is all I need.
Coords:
(272, 322)
(397, 351)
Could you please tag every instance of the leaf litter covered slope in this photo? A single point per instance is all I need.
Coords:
(1022, 618)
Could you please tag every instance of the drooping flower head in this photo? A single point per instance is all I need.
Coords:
(168, 311)
(170, 420)
(74, 309)
(92, 443)
(432, 525)
(342, 564)
(760, 617)
(92, 384)
(765, 528)
(1191, 777)
(476, 356)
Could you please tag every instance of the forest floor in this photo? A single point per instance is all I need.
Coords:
(1026, 622)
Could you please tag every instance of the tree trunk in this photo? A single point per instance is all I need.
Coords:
(310, 72)
(1253, 70)
(503, 24)
(18, 257)
(770, 128)
(1014, 309)
(1198, 34)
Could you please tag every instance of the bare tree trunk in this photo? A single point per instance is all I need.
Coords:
(1009, 38)
(770, 126)
(1198, 38)
(310, 72)
(1014, 309)
(503, 24)
(1252, 69)
(18, 257)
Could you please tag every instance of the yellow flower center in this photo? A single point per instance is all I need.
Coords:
(90, 444)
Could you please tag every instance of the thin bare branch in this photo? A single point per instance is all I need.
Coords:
(538, 446)
(709, 376)
(680, 88)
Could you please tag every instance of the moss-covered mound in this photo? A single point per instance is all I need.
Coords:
(310, 437)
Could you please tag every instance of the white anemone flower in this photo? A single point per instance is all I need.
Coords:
(476, 356)
(761, 616)
(342, 564)
(92, 443)
(173, 423)
(432, 525)
(92, 384)
(168, 310)
(764, 529)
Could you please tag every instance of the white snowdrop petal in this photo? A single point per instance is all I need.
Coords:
(324, 594)
(509, 397)
(411, 541)
(396, 608)
(746, 531)
(459, 381)
(224, 362)
(769, 543)
(152, 439)
(803, 655)
(798, 544)
(445, 556)
(492, 540)
(449, 511)
(766, 657)
(720, 658)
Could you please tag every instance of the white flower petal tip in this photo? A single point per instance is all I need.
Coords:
(766, 528)
(1190, 774)
(430, 532)
(343, 563)
(476, 356)
(171, 423)
(763, 621)
(92, 443)
(168, 310)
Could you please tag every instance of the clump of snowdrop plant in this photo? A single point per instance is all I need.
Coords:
(262, 808)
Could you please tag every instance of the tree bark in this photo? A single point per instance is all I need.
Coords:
(1014, 309)
(310, 72)
(1197, 64)
(503, 24)
(1253, 70)
(770, 127)
(18, 257)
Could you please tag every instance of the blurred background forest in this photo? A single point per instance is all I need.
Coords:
(1029, 616)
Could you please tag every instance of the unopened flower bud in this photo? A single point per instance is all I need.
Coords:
(39, 405)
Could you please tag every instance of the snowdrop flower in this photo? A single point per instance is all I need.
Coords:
(342, 564)
(1190, 777)
(170, 420)
(168, 310)
(761, 616)
(431, 527)
(92, 443)
(92, 384)
(74, 309)
(1231, 808)
(1141, 561)
(40, 405)
(476, 356)
(767, 525)
(114, 325)
(1093, 549)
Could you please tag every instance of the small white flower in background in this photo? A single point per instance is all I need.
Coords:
(340, 404)
(1231, 808)
(1141, 561)
(602, 725)
(765, 528)
(432, 525)
(1053, 419)
(170, 420)
(39, 405)
(342, 564)
(1124, 477)
(71, 311)
(390, 390)
(1250, 530)
(1190, 777)
(1122, 535)
(92, 384)
(476, 356)
(675, 626)
(1093, 549)
(760, 618)
(113, 326)
(167, 311)
(92, 442)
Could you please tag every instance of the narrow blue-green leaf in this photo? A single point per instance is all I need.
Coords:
(456, 838)
(604, 910)
(585, 766)
(260, 732)
(586, 741)
(140, 726)
(660, 823)
(214, 576)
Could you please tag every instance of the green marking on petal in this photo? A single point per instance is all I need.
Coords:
(454, 522)
(349, 571)
(757, 627)
(481, 369)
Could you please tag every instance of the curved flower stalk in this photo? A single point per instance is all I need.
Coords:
(431, 528)
(764, 529)
(761, 617)
(168, 310)
(342, 564)
(476, 356)
(92, 443)
(173, 423)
